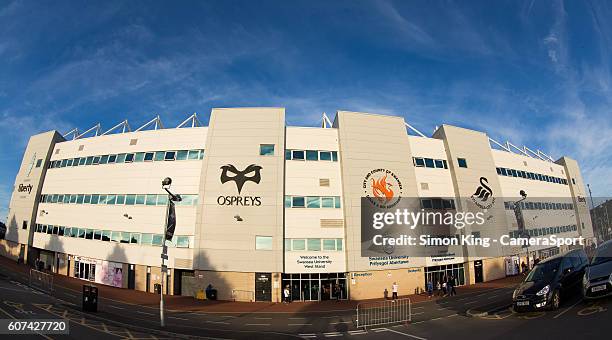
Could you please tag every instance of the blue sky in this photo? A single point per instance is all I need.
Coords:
(536, 73)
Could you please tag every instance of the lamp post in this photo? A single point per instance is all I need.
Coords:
(167, 235)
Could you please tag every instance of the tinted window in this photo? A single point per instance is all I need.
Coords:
(312, 155)
(462, 162)
(429, 163)
(604, 254)
(544, 271)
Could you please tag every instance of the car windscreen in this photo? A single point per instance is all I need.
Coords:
(544, 271)
(604, 254)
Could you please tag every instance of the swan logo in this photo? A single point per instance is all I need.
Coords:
(382, 188)
(483, 197)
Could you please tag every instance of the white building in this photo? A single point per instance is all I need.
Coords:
(266, 205)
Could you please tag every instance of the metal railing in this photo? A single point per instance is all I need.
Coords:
(383, 312)
(40, 280)
(243, 295)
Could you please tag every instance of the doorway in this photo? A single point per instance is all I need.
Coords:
(263, 287)
(478, 276)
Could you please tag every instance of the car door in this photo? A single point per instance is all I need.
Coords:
(566, 273)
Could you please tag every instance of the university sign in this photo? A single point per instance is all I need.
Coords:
(229, 173)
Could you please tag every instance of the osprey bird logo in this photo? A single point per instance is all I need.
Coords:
(240, 176)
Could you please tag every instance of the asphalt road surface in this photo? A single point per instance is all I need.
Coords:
(476, 315)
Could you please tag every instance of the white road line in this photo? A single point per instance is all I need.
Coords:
(257, 324)
(217, 322)
(307, 334)
(417, 322)
(406, 334)
(257, 318)
(330, 317)
(378, 330)
(112, 306)
(71, 295)
(227, 316)
(450, 316)
(145, 313)
(176, 317)
(297, 318)
(567, 309)
(338, 322)
(443, 308)
(418, 313)
(357, 332)
(417, 307)
(465, 298)
(471, 303)
(332, 334)
(300, 324)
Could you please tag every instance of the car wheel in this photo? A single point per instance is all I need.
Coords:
(555, 301)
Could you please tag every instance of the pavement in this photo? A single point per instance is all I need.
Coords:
(478, 312)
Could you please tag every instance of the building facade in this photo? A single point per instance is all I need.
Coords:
(267, 206)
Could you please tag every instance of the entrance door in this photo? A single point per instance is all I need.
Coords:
(131, 277)
(263, 287)
(478, 277)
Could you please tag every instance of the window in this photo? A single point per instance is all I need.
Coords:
(24, 225)
(312, 155)
(429, 163)
(120, 158)
(297, 201)
(287, 201)
(573, 181)
(439, 164)
(419, 162)
(120, 200)
(38, 163)
(146, 239)
(89, 234)
(329, 244)
(125, 237)
(140, 199)
(106, 235)
(297, 154)
(337, 202)
(181, 155)
(139, 157)
(104, 159)
(327, 202)
(148, 157)
(159, 156)
(111, 199)
(338, 244)
(129, 158)
(334, 156)
(314, 244)
(462, 162)
(116, 236)
(298, 244)
(325, 156)
(130, 199)
(313, 202)
(97, 235)
(193, 154)
(266, 149)
(157, 240)
(135, 238)
(426, 204)
(263, 242)
(79, 199)
(182, 241)
(151, 200)
(112, 159)
(169, 156)
(162, 199)
(287, 155)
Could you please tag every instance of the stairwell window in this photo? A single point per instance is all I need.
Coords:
(462, 162)
(266, 149)
(263, 242)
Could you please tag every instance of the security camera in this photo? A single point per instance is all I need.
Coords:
(167, 181)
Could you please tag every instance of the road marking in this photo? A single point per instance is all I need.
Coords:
(228, 316)
(465, 298)
(567, 309)
(112, 306)
(493, 296)
(405, 334)
(471, 303)
(417, 307)
(330, 317)
(357, 332)
(258, 318)
(297, 318)
(300, 324)
(338, 322)
(176, 317)
(218, 322)
(71, 295)
(450, 316)
(257, 324)
(145, 313)
(418, 313)
(443, 308)
(332, 334)
(378, 330)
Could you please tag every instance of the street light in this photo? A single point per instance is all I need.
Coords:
(167, 233)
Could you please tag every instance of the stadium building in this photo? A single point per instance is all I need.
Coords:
(266, 205)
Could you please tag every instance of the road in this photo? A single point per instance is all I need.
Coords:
(476, 315)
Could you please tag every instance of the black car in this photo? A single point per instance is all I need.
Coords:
(549, 281)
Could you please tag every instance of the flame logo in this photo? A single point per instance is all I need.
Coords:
(381, 189)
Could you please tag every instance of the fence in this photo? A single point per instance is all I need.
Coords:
(41, 281)
(383, 312)
(243, 295)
